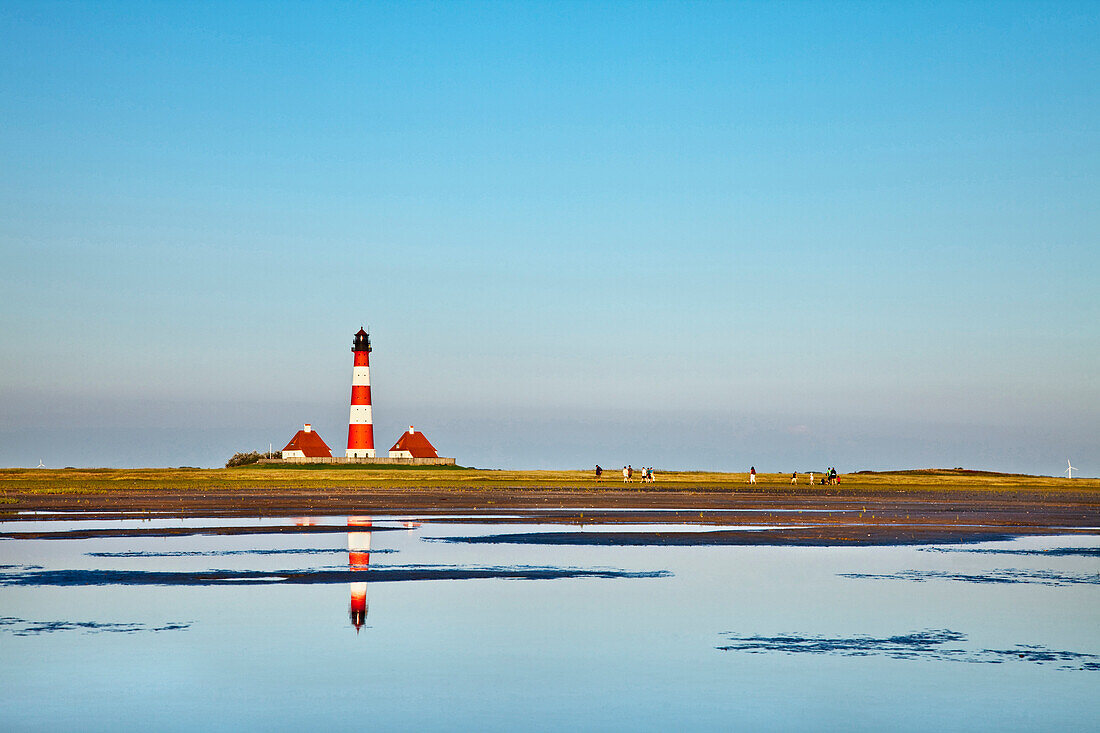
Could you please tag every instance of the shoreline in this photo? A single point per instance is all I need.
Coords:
(897, 508)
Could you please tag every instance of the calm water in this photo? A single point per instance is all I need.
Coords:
(366, 627)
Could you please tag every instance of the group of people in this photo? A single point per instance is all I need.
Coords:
(628, 474)
(829, 477)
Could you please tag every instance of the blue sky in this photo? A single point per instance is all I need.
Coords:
(681, 234)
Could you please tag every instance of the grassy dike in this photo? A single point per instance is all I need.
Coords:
(76, 481)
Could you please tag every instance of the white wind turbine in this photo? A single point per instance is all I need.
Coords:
(40, 464)
(1069, 471)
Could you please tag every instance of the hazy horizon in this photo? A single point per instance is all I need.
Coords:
(681, 235)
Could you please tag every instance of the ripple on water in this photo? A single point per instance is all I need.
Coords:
(931, 644)
(1001, 576)
(26, 627)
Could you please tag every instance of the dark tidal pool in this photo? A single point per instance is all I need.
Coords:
(390, 622)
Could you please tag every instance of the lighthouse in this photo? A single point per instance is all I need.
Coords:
(359, 559)
(360, 424)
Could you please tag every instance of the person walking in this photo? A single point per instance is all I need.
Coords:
(626, 476)
(630, 473)
(599, 472)
(794, 478)
(752, 474)
(811, 478)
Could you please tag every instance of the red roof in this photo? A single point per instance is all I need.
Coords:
(310, 444)
(416, 444)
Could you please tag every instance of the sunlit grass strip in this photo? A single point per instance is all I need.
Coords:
(271, 478)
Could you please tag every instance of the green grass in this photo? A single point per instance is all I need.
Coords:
(276, 477)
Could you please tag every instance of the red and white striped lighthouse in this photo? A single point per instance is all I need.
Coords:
(360, 424)
(359, 530)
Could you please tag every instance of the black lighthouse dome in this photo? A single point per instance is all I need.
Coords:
(361, 342)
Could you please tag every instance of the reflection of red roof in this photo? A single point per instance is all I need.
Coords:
(416, 444)
(310, 444)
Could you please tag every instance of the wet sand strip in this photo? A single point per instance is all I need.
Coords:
(811, 536)
(795, 535)
(1026, 506)
(83, 534)
(33, 576)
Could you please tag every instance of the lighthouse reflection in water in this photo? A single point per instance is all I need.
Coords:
(359, 531)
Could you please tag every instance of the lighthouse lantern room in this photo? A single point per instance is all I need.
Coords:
(360, 423)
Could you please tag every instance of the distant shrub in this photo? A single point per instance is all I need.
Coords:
(247, 459)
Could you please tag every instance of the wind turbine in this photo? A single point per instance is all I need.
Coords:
(40, 464)
(1069, 471)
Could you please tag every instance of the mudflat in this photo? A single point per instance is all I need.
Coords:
(904, 507)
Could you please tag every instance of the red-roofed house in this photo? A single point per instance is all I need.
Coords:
(306, 444)
(413, 445)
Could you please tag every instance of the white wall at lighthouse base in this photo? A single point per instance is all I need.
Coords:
(359, 453)
(367, 461)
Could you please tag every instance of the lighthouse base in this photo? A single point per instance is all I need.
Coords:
(367, 461)
(359, 453)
